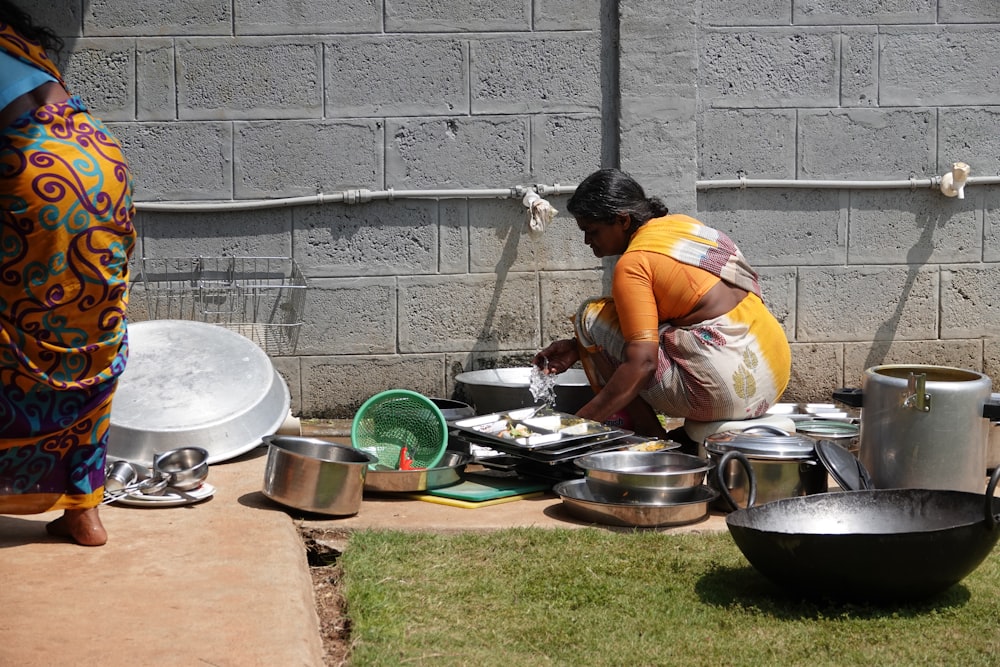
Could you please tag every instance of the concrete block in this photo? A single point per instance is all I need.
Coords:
(156, 88)
(334, 387)
(454, 313)
(859, 144)
(102, 73)
(778, 291)
(249, 78)
(290, 370)
(663, 147)
(460, 152)
(293, 17)
(653, 65)
(921, 227)
(938, 66)
(263, 233)
(567, 15)
(859, 357)
(349, 316)
(969, 135)
(396, 76)
(154, 17)
(378, 238)
(866, 12)
(991, 223)
(970, 300)
(750, 142)
(454, 236)
(562, 292)
(746, 12)
(968, 11)
(817, 370)
(769, 67)
(565, 148)
(500, 239)
(553, 72)
(457, 15)
(179, 161)
(778, 227)
(300, 158)
(865, 303)
(859, 67)
(656, 15)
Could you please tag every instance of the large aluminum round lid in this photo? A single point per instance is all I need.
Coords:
(768, 446)
(193, 384)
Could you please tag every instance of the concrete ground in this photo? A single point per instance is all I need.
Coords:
(223, 582)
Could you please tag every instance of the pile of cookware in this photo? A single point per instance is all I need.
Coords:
(176, 477)
(645, 489)
(912, 520)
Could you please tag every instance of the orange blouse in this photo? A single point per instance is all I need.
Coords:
(650, 288)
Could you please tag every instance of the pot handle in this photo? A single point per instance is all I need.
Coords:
(992, 519)
(991, 410)
(767, 428)
(852, 396)
(720, 477)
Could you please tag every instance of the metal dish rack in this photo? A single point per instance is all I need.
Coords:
(261, 298)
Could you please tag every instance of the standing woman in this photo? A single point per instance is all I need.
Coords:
(685, 333)
(65, 238)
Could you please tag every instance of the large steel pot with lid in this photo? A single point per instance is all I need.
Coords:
(786, 464)
(924, 426)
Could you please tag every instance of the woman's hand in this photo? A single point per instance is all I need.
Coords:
(558, 356)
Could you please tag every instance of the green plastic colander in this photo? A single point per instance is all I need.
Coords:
(398, 418)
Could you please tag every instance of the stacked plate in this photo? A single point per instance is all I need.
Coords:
(640, 489)
(540, 434)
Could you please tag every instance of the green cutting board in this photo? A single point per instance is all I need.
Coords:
(479, 488)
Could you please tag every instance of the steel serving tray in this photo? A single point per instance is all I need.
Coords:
(534, 428)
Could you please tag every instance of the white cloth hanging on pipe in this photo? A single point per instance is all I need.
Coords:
(540, 212)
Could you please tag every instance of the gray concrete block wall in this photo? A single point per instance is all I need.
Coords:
(858, 91)
(245, 100)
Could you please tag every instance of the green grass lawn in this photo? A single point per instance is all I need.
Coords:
(593, 597)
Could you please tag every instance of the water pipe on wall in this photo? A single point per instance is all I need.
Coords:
(946, 183)
(933, 183)
(355, 196)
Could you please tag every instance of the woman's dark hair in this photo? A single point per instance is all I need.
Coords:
(609, 192)
(21, 21)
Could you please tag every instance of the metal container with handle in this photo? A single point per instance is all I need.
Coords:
(923, 426)
(785, 463)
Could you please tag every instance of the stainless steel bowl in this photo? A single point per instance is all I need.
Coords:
(616, 509)
(655, 477)
(500, 389)
(446, 473)
(184, 468)
(315, 475)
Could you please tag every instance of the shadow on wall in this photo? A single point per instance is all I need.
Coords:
(916, 258)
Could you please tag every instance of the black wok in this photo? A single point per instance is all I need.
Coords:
(876, 545)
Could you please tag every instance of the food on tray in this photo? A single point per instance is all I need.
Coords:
(515, 431)
(649, 446)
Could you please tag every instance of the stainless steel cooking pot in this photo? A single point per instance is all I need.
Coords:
(924, 426)
(314, 475)
(785, 464)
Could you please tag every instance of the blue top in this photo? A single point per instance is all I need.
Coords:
(18, 77)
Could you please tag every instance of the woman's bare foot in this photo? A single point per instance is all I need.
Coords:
(82, 526)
